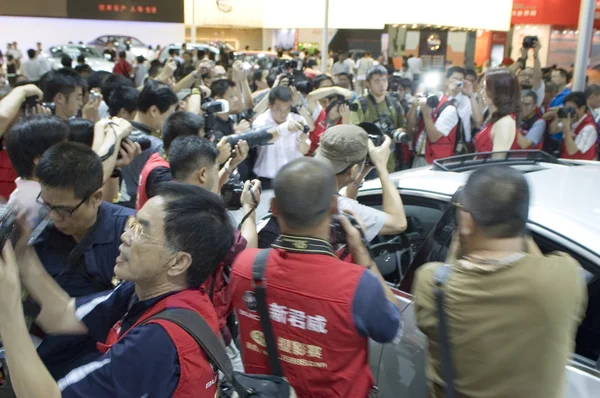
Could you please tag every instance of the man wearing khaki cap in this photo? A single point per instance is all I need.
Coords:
(345, 147)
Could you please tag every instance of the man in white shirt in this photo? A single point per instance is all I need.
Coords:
(35, 67)
(293, 142)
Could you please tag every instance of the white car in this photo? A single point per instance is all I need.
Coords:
(92, 57)
(136, 46)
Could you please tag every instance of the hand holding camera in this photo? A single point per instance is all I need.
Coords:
(379, 155)
(294, 126)
(349, 228)
(224, 148)
(251, 194)
(90, 109)
(240, 150)
(128, 151)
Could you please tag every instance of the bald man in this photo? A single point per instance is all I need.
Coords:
(323, 310)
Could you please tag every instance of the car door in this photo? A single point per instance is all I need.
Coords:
(399, 368)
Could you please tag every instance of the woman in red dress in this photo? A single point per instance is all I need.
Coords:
(503, 96)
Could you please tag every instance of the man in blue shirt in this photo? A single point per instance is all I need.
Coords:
(560, 77)
(164, 258)
(80, 247)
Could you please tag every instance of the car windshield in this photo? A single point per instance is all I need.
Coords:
(74, 52)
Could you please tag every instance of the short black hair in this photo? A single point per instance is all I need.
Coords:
(157, 94)
(81, 59)
(30, 138)
(532, 94)
(122, 98)
(592, 89)
(189, 153)
(71, 165)
(455, 69)
(317, 81)
(186, 207)
(31, 53)
(97, 78)
(376, 70)
(181, 124)
(122, 54)
(281, 93)
(114, 82)
(470, 72)
(219, 87)
(577, 97)
(66, 61)
(81, 130)
(63, 81)
(304, 190)
(271, 77)
(497, 198)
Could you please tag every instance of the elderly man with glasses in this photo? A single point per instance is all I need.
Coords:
(164, 258)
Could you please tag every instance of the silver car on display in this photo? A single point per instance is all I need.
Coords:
(136, 46)
(92, 57)
(564, 216)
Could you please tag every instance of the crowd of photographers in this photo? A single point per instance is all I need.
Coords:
(99, 170)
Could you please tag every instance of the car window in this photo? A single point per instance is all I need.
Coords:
(135, 42)
(587, 341)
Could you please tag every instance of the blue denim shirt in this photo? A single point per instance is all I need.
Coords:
(63, 353)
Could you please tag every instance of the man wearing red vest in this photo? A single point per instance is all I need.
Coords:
(435, 130)
(323, 310)
(533, 126)
(580, 135)
(164, 259)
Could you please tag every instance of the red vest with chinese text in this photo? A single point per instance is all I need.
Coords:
(310, 303)
(591, 153)
(484, 141)
(197, 378)
(444, 147)
(153, 162)
(8, 175)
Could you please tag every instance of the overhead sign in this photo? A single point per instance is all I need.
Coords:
(127, 10)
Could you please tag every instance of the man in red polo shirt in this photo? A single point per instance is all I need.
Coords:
(323, 310)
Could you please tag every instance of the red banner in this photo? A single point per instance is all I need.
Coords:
(546, 12)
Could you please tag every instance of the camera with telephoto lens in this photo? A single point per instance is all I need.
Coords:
(377, 136)
(338, 234)
(254, 138)
(530, 42)
(564, 113)
(211, 107)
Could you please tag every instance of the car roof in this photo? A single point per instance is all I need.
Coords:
(194, 45)
(564, 198)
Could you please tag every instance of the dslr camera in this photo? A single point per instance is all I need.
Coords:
(341, 100)
(565, 112)
(338, 234)
(211, 107)
(231, 192)
(530, 42)
(31, 102)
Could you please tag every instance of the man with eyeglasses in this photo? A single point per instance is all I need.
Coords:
(164, 258)
(533, 124)
(79, 249)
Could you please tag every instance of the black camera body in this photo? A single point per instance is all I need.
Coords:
(144, 142)
(338, 234)
(31, 102)
(530, 41)
(565, 112)
(341, 100)
(231, 192)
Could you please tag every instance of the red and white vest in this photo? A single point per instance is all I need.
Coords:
(197, 378)
(155, 160)
(310, 301)
(591, 153)
(444, 147)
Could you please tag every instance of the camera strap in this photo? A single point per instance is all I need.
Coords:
(303, 244)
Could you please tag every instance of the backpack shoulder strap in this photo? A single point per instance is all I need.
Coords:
(440, 278)
(364, 102)
(196, 326)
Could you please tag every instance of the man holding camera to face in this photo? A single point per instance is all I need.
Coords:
(322, 309)
(580, 135)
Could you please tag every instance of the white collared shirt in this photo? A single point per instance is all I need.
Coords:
(273, 157)
(586, 138)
